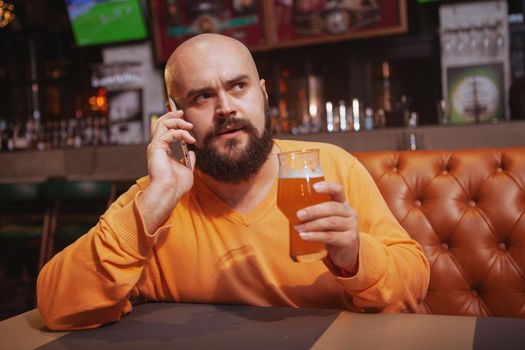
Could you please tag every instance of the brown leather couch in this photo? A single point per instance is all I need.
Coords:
(467, 209)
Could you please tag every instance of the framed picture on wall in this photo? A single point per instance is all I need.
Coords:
(476, 93)
(125, 116)
(174, 21)
(299, 22)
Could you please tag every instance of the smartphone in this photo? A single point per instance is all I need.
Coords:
(184, 147)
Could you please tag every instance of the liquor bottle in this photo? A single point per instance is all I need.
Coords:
(369, 118)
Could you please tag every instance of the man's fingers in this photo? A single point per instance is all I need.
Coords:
(155, 123)
(177, 123)
(329, 223)
(324, 210)
(173, 124)
(335, 239)
(170, 120)
(333, 189)
(172, 135)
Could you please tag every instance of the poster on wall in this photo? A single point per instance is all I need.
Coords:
(475, 93)
(125, 116)
(177, 20)
(268, 24)
(475, 60)
(311, 21)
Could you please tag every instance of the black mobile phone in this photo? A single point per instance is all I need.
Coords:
(182, 143)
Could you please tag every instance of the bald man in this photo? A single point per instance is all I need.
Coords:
(215, 234)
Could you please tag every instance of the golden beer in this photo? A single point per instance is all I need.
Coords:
(298, 172)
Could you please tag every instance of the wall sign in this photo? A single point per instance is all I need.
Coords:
(475, 60)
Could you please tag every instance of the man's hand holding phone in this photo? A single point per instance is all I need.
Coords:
(184, 148)
(169, 178)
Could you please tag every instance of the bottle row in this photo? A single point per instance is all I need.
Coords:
(341, 117)
(97, 129)
(63, 133)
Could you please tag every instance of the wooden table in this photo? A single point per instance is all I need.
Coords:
(201, 326)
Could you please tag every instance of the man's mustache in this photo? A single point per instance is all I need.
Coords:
(232, 123)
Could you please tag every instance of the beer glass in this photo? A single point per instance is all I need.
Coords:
(298, 172)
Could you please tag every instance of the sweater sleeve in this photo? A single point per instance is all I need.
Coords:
(393, 273)
(88, 283)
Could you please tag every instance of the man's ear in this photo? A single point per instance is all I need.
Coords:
(262, 83)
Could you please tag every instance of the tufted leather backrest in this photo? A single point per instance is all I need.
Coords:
(467, 210)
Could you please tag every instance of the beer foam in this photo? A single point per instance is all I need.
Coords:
(300, 174)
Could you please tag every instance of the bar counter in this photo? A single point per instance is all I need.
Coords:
(126, 163)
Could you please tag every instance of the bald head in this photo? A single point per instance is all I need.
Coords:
(206, 52)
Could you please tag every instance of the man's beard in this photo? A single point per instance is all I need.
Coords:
(246, 162)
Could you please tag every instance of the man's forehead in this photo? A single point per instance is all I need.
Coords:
(197, 73)
(209, 77)
(210, 58)
(215, 57)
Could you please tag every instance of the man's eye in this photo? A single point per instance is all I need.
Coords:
(239, 86)
(202, 97)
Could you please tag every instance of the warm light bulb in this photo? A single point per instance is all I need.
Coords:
(101, 102)
(6, 13)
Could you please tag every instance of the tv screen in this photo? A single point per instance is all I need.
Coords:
(98, 22)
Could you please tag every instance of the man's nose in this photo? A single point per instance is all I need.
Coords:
(225, 106)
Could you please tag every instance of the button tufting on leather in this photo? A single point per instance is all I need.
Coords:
(472, 246)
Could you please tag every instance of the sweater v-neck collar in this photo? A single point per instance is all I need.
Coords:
(213, 206)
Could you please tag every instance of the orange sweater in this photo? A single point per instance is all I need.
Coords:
(209, 253)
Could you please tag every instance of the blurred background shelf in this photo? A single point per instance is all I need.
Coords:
(127, 163)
